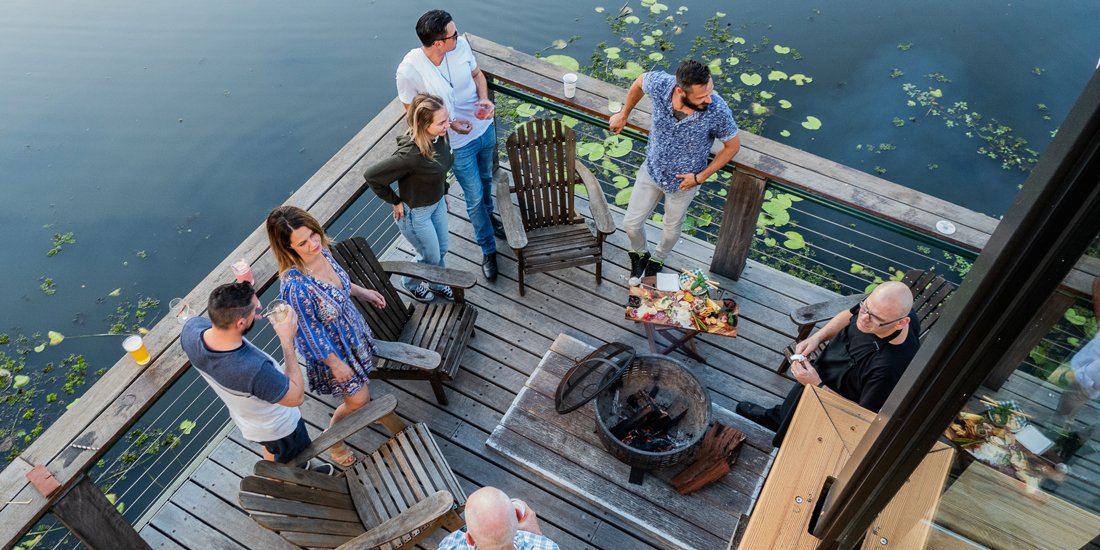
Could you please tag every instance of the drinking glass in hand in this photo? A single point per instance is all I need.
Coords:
(277, 311)
(181, 310)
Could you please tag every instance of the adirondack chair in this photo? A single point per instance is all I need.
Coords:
(444, 328)
(545, 230)
(398, 495)
(929, 293)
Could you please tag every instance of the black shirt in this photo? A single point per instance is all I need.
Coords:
(420, 181)
(863, 367)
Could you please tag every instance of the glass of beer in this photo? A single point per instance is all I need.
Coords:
(134, 345)
(276, 311)
(242, 271)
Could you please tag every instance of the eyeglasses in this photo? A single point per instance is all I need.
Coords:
(863, 309)
(451, 37)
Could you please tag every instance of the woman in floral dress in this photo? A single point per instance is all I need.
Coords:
(333, 338)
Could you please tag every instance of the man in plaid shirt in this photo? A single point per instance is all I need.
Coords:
(495, 522)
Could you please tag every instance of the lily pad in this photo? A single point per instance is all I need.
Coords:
(656, 56)
(769, 241)
(599, 9)
(569, 121)
(758, 109)
(785, 133)
(937, 93)
(766, 95)
(648, 40)
(612, 53)
(559, 44)
(1075, 318)
(784, 104)
(186, 426)
(657, 217)
(801, 79)
(115, 293)
(19, 381)
(715, 66)
(658, 7)
(704, 219)
(55, 337)
(738, 40)
(40, 348)
(620, 182)
(618, 146)
(719, 14)
(794, 240)
(631, 71)
(563, 61)
(811, 123)
(631, 20)
(527, 110)
(592, 151)
(751, 79)
(776, 76)
(856, 269)
(622, 198)
(783, 50)
(580, 190)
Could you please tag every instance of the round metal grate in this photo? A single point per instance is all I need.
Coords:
(591, 375)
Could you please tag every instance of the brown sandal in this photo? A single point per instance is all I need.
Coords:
(342, 455)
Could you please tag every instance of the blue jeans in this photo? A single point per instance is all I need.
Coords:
(473, 168)
(426, 229)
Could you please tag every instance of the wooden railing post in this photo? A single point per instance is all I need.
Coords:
(746, 195)
(1045, 319)
(92, 518)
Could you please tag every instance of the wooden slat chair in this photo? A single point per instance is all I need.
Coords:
(393, 498)
(444, 328)
(545, 230)
(930, 291)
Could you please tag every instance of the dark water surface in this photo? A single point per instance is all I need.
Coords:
(168, 130)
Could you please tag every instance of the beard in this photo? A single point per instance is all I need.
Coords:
(694, 107)
(250, 327)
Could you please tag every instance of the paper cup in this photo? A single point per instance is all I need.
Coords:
(569, 81)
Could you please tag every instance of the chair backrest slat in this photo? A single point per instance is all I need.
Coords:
(542, 153)
(930, 292)
(357, 258)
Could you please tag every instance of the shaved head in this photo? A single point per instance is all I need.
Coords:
(490, 519)
(894, 299)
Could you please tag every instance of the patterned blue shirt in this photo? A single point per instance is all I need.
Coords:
(681, 146)
(523, 541)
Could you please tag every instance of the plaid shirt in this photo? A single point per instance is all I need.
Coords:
(523, 541)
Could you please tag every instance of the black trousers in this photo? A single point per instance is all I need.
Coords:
(781, 414)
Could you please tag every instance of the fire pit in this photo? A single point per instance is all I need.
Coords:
(654, 416)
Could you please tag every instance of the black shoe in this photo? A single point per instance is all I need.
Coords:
(489, 266)
(757, 414)
(498, 227)
(637, 267)
(653, 266)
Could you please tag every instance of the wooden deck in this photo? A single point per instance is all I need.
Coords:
(512, 336)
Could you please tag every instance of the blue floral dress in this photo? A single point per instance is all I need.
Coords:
(328, 323)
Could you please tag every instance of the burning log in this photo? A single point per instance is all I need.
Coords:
(717, 452)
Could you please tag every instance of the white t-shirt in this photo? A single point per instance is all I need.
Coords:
(452, 80)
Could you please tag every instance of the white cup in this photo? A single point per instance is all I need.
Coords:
(569, 80)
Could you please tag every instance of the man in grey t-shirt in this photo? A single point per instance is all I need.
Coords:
(262, 399)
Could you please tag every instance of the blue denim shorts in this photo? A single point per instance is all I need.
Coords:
(286, 448)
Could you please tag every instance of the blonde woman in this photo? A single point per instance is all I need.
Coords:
(332, 336)
(419, 166)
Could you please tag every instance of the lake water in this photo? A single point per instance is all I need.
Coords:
(160, 134)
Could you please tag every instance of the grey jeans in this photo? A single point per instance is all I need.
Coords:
(643, 199)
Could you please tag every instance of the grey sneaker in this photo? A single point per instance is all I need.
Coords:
(421, 292)
(315, 465)
(445, 292)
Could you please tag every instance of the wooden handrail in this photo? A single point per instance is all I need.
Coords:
(764, 157)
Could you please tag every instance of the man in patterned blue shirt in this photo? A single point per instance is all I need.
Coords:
(495, 522)
(687, 117)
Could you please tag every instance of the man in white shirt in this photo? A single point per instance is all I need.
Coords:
(445, 66)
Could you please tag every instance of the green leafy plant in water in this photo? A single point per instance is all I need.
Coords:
(47, 286)
(59, 240)
(1000, 143)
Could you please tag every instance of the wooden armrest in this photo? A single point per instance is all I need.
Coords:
(370, 413)
(407, 354)
(431, 273)
(418, 514)
(815, 313)
(597, 202)
(509, 214)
